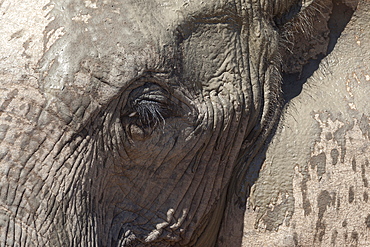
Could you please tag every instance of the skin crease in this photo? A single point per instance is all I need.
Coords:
(146, 114)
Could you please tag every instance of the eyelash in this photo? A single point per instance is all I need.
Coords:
(148, 106)
(150, 113)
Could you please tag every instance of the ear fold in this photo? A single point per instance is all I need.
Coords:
(306, 35)
(312, 33)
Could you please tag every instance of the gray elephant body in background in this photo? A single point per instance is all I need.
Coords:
(132, 123)
(313, 187)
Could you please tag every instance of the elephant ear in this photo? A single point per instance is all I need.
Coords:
(284, 11)
(312, 33)
(304, 36)
(308, 32)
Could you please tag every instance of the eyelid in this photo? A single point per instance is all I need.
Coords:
(161, 78)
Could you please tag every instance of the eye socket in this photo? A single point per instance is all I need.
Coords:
(148, 106)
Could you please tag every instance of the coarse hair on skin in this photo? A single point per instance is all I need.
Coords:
(303, 22)
(305, 36)
(150, 113)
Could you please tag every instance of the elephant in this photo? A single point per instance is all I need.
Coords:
(138, 123)
(312, 188)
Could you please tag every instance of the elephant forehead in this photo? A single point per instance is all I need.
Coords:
(133, 25)
(150, 18)
(171, 12)
(122, 39)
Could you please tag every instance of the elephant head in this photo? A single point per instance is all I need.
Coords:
(142, 120)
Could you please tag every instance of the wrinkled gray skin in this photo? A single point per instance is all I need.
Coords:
(142, 123)
(313, 187)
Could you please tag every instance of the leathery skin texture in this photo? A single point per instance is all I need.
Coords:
(313, 187)
(136, 120)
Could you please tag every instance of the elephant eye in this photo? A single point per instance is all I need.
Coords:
(148, 106)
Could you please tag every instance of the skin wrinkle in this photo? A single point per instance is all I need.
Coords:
(110, 138)
(235, 117)
(197, 184)
(74, 172)
(217, 158)
(201, 184)
(169, 152)
(152, 201)
(240, 69)
(141, 188)
(160, 193)
(189, 181)
(175, 207)
(262, 68)
(254, 90)
(197, 204)
(242, 100)
(206, 157)
(120, 136)
(21, 196)
(253, 154)
(70, 153)
(223, 63)
(225, 159)
(155, 171)
(256, 86)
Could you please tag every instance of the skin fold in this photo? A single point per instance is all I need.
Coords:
(140, 122)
